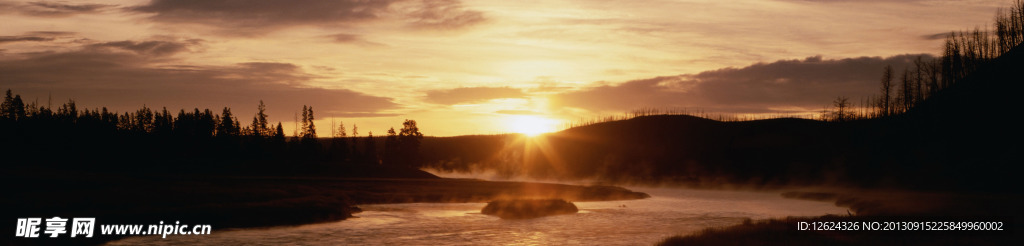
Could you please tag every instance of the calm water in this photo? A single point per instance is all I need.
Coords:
(637, 222)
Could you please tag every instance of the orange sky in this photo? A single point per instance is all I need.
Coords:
(465, 67)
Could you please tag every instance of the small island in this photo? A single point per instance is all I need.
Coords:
(528, 208)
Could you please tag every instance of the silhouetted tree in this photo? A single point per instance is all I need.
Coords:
(69, 112)
(341, 130)
(1010, 26)
(355, 149)
(308, 128)
(885, 102)
(370, 149)
(933, 77)
(409, 143)
(12, 108)
(260, 127)
(919, 77)
(143, 122)
(7, 107)
(279, 134)
(906, 97)
(391, 152)
(841, 105)
(206, 125)
(339, 146)
(163, 123)
(228, 125)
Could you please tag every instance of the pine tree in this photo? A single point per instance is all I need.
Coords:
(341, 130)
(7, 107)
(312, 127)
(228, 125)
(260, 126)
(308, 127)
(305, 122)
(279, 133)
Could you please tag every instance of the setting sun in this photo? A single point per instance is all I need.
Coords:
(531, 125)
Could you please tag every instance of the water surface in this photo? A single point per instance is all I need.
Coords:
(667, 213)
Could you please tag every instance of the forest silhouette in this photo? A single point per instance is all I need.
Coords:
(196, 141)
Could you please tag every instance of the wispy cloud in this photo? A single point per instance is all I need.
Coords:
(51, 8)
(151, 47)
(441, 15)
(259, 18)
(471, 94)
(10, 39)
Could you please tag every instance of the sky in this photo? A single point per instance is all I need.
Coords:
(467, 67)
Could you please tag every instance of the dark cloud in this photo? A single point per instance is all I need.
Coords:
(253, 18)
(41, 36)
(471, 94)
(780, 86)
(444, 15)
(10, 39)
(345, 38)
(151, 48)
(256, 18)
(52, 33)
(51, 9)
(101, 75)
(936, 36)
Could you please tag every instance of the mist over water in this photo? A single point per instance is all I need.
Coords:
(667, 213)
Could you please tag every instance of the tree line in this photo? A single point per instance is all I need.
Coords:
(69, 136)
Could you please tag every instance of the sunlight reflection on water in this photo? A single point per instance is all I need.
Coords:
(667, 213)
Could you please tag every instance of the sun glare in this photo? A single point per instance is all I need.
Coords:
(531, 125)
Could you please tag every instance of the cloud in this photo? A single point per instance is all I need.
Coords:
(52, 9)
(781, 86)
(10, 39)
(243, 17)
(346, 38)
(151, 48)
(471, 94)
(442, 15)
(52, 33)
(936, 36)
(105, 75)
(518, 112)
(39, 36)
(253, 19)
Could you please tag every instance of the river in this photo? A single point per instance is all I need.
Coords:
(667, 213)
